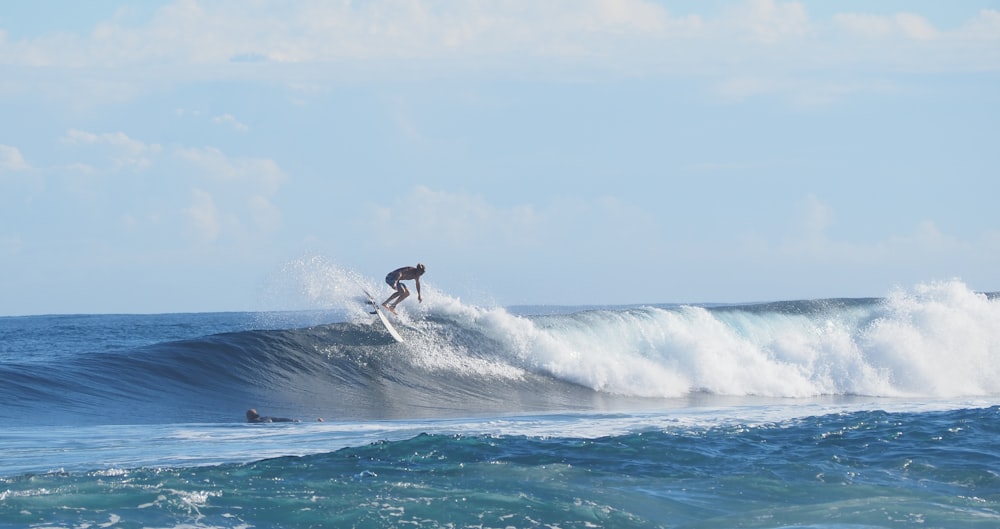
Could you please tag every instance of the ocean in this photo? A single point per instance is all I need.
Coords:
(830, 413)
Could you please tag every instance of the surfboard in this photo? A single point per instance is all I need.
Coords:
(381, 316)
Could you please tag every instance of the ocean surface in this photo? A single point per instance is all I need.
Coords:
(832, 413)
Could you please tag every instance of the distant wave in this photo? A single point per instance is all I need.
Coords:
(936, 340)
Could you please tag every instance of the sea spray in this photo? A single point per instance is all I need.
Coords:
(937, 339)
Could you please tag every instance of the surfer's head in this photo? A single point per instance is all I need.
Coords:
(421, 267)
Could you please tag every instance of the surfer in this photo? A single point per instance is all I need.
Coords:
(253, 416)
(395, 280)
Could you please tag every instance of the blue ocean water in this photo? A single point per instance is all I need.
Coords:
(836, 413)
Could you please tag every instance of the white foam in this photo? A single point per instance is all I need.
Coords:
(936, 340)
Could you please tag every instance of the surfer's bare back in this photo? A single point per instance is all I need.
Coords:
(395, 280)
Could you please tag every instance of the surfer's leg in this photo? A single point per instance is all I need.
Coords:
(399, 295)
(403, 293)
(392, 297)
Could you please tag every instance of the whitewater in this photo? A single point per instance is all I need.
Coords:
(874, 412)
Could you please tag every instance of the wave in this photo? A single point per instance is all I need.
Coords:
(938, 340)
(935, 340)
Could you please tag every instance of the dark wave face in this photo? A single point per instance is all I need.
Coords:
(341, 371)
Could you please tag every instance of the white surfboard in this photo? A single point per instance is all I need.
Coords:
(385, 320)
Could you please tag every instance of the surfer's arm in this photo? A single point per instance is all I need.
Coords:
(417, 282)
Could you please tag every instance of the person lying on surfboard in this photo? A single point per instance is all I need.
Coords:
(253, 416)
(395, 280)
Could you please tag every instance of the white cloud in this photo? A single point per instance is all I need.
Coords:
(258, 175)
(908, 25)
(986, 26)
(865, 25)
(229, 197)
(800, 92)
(128, 152)
(452, 218)
(233, 197)
(597, 34)
(203, 216)
(812, 244)
(771, 22)
(230, 120)
(456, 220)
(928, 239)
(265, 215)
(185, 32)
(916, 27)
(224, 120)
(11, 159)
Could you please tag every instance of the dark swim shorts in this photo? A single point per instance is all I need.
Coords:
(391, 280)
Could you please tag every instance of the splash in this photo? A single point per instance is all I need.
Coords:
(939, 339)
(320, 284)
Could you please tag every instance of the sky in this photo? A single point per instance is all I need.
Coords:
(198, 156)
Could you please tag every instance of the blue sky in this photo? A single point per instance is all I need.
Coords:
(190, 156)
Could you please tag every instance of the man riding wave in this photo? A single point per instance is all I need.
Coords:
(395, 280)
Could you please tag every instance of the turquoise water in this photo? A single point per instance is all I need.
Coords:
(848, 469)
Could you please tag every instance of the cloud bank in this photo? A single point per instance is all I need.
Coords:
(616, 35)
